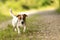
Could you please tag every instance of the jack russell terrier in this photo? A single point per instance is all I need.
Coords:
(18, 21)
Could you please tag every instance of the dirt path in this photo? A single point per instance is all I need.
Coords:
(3, 25)
(51, 22)
(48, 23)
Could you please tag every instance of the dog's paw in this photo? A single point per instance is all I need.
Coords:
(19, 32)
(15, 29)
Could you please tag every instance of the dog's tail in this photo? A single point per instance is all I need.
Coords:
(11, 13)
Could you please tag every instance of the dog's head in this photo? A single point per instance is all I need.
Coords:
(22, 18)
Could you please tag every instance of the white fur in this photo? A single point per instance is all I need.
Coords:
(16, 22)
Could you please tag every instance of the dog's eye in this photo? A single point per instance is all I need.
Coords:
(20, 18)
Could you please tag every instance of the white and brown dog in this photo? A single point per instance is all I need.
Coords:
(18, 21)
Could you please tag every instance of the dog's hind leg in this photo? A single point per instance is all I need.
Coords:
(14, 27)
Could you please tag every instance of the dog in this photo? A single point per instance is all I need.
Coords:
(18, 21)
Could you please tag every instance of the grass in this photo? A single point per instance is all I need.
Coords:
(31, 33)
(58, 10)
(4, 18)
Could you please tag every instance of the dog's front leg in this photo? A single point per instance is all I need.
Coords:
(18, 29)
(24, 28)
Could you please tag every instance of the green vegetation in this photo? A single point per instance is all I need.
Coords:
(4, 18)
(58, 9)
(24, 5)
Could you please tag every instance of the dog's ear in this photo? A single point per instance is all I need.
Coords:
(24, 15)
(18, 15)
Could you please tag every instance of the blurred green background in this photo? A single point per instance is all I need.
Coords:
(24, 5)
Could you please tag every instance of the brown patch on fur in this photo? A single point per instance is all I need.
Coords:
(19, 16)
(24, 16)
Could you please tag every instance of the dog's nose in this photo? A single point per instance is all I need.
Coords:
(22, 22)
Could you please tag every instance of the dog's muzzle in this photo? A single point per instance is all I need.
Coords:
(22, 22)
